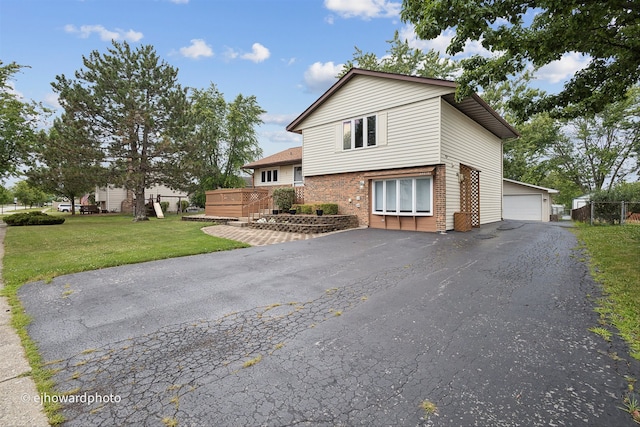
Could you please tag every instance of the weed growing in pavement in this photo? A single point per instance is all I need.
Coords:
(602, 332)
(631, 406)
(252, 362)
(630, 382)
(429, 408)
(170, 422)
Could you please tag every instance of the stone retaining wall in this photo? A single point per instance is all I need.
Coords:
(309, 224)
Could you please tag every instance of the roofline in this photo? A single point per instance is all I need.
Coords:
(256, 164)
(494, 113)
(394, 76)
(362, 72)
(280, 163)
(513, 181)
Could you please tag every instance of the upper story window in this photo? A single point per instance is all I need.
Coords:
(269, 176)
(359, 133)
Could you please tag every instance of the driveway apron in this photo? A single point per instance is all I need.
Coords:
(365, 327)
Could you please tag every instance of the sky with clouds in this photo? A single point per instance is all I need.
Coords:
(285, 52)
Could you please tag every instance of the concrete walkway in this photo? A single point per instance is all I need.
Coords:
(18, 396)
(256, 237)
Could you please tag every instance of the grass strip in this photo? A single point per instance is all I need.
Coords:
(615, 263)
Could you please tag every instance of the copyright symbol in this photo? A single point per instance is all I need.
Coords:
(26, 398)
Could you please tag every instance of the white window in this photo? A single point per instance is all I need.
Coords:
(297, 175)
(267, 176)
(359, 133)
(404, 196)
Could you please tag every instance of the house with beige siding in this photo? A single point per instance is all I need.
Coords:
(400, 152)
(118, 199)
(283, 169)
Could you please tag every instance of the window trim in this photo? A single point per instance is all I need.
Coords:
(398, 212)
(365, 132)
(267, 176)
(301, 181)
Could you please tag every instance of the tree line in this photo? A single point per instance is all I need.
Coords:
(127, 121)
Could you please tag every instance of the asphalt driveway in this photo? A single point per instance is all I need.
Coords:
(354, 328)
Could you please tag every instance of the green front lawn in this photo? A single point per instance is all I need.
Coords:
(89, 242)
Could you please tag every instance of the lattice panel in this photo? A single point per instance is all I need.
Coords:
(475, 198)
(470, 193)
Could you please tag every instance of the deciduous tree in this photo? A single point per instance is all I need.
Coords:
(523, 33)
(28, 194)
(68, 160)
(17, 123)
(403, 59)
(601, 150)
(223, 140)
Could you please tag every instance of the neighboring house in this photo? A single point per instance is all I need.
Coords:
(400, 153)
(526, 202)
(283, 169)
(118, 199)
(581, 201)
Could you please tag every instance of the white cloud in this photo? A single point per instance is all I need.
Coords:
(51, 99)
(364, 9)
(562, 69)
(319, 77)
(11, 90)
(258, 53)
(230, 54)
(179, 1)
(278, 119)
(440, 43)
(282, 136)
(106, 35)
(197, 49)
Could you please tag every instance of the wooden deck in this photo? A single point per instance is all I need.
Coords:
(235, 202)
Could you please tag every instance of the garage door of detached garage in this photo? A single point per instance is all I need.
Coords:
(526, 207)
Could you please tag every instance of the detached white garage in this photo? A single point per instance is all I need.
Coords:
(525, 202)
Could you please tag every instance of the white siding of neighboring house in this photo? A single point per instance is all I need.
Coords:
(464, 141)
(285, 176)
(111, 196)
(407, 124)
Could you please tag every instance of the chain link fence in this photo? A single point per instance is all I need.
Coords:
(614, 213)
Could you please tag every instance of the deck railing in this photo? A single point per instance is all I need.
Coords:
(257, 208)
(233, 202)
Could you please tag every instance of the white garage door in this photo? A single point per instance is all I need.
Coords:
(524, 207)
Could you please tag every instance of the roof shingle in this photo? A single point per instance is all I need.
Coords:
(289, 156)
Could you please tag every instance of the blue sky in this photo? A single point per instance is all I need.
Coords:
(285, 52)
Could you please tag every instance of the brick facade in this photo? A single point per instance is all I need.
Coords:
(343, 189)
(352, 192)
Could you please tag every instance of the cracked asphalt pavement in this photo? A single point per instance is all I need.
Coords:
(354, 328)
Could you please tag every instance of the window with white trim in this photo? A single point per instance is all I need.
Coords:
(267, 176)
(297, 175)
(403, 196)
(359, 133)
